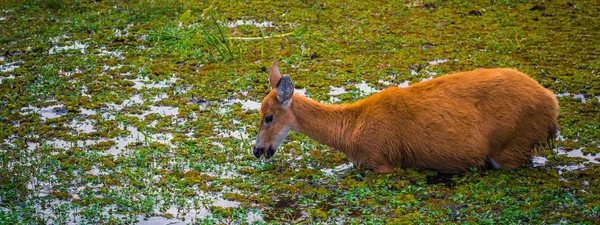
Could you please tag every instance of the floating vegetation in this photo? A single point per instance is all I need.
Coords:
(141, 112)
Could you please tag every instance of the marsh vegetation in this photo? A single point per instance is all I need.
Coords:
(143, 112)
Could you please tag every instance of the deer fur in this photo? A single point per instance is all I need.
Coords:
(449, 124)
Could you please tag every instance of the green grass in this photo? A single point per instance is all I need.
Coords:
(186, 57)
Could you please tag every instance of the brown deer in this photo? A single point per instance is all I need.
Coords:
(493, 117)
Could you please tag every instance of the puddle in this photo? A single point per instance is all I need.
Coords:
(120, 142)
(6, 78)
(430, 74)
(57, 39)
(84, 90)
(413, 72)
(218, 144)
(156, 220)
(301, 92)
(334, 91)
(182, 89)
(264, 24)
(75, 46)
(136, 136)
(538, 161)
(246, 104)
(69, 73)
(96, 172)
(87, 112)
(225, 171)
(403, 84)
(365, 88)
(250, 105)
(239, 134)
(162, 110)
(140, 83)
(85, 126)
(9, 67)
(580, 96)
(338, 169)
(114, 54)
(49, 112)
(226, 203)
(134, 99)
(187, 212)
(387, 83)
(255, 216)
(159, 97)
(122, 33)
(577, 153)
(437, 61)
(106, 67)
(576, 96)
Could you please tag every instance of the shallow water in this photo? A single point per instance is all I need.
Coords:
(577, 153)
(334, 91)
(250, 105)
(365, 88)
(162, 110)
(576, 96)
(9, 67)
(403, 84)
(264, 24)
(239, 134)
(48, 112)
(437, 61)
(301, 92)
(77, 45)
(145, 82)
(201, 136)
(10, 77)
(115, 54)
(341, 169)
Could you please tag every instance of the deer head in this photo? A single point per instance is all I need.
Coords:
(276, 119)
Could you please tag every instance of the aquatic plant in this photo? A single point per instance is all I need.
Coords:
(112, 112)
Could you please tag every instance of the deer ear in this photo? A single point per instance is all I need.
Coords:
(274, 75)
(285, 90)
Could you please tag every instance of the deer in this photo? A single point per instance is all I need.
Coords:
(485, 118)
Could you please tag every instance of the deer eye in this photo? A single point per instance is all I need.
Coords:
(269, 119)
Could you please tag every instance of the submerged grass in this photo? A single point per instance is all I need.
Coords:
(123, 112)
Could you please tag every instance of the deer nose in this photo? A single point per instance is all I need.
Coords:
(258, 151)
(270, 152)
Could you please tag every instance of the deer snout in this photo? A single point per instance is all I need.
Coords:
(260, 150)
(270, 152)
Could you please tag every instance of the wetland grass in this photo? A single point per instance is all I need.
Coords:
(144, 111)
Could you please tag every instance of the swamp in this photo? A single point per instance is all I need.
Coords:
(145, 111)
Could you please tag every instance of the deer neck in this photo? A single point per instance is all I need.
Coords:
(332, 125)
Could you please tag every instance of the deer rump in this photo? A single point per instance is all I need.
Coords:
(455, 122)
